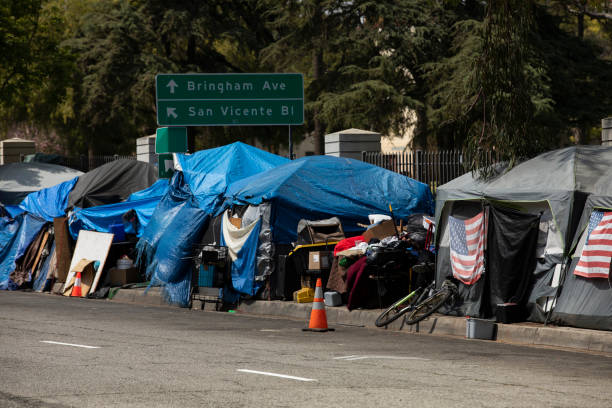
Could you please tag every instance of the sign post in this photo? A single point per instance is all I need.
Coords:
(229, 99)
(165, 165)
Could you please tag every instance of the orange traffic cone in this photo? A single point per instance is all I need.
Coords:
(76, 289)
(318, 318)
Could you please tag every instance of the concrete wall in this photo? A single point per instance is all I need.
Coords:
(12, 149)
(606, 132)
(145, 149)
(351, 142)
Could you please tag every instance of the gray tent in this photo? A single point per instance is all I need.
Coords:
(586, 302)
(555, 185)
(17, 180)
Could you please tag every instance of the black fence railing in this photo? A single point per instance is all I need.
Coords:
(431, 167)
(85, 163)
(82, 162)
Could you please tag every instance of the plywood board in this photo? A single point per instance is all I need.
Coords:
(63, 248)
(93, 246)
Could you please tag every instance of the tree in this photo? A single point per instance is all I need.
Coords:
(513, 82)
(33, 65)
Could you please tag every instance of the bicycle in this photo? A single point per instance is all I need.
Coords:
(405, 304)
(424, 309)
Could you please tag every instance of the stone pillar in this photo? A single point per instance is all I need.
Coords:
(11, 150)
(606, 132)
(351, 142)
(145, 150)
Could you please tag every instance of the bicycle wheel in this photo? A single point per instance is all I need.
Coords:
(396, 310)
(428, 306)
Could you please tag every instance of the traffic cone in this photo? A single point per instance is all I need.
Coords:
(76, 289)
(318, 318)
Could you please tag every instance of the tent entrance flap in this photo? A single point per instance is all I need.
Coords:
(511, 249)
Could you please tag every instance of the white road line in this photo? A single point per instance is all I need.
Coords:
(69, 344)
(353, 358)
(269, 330)
(275, 375)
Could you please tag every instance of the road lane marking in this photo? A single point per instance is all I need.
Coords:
(69, 344)
(269, 330)
(354, 357)
(275, 375)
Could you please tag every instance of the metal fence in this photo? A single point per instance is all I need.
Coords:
(431, 167)
(85, 163)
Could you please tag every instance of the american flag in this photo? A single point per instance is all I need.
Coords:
(467, 245)
(597, 251)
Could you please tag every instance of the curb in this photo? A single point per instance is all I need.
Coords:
(529, 334)
(138, 296)
(525, 334)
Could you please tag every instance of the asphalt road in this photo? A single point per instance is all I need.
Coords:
(155, 356)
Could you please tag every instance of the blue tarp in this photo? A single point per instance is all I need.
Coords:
(244, 266)
(202, 181)
(320, 187)
(15, 237)
(101, 218)
(12, 210)
(209, 172)
(50, 202)
(168, 242)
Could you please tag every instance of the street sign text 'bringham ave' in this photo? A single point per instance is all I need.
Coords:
(229, 99)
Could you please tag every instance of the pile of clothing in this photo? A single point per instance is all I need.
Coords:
(371, 274)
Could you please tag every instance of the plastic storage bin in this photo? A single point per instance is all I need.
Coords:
(332, 299)
(479, 329)
(205, 276)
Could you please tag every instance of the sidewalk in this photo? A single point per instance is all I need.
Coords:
(529, 334)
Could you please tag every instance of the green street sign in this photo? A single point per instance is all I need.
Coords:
(165, 165)
(171, 140)
(229, 99)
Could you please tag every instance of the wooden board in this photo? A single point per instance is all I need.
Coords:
(63, 248)
(36, 266)
(94, 246)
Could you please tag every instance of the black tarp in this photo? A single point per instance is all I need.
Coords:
(511, 244)
(111, 183)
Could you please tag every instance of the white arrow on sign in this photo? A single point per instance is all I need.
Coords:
(170, 112)
(172, 85)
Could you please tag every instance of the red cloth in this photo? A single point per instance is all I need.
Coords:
(348, 243)
(357, 284)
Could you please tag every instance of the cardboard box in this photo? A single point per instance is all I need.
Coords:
(381, 230)
(118, 276)
(318, 260)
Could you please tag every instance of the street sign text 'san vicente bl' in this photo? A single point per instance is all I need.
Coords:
(229, 99)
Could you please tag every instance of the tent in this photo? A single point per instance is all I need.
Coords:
(140, 205)
(319, 187)
(17, 180)
(196, 192)
(209, 172)
(15, 237)
(49, 202)
(111, 183)
(315, 188)
(553, 186)
(586, 299)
